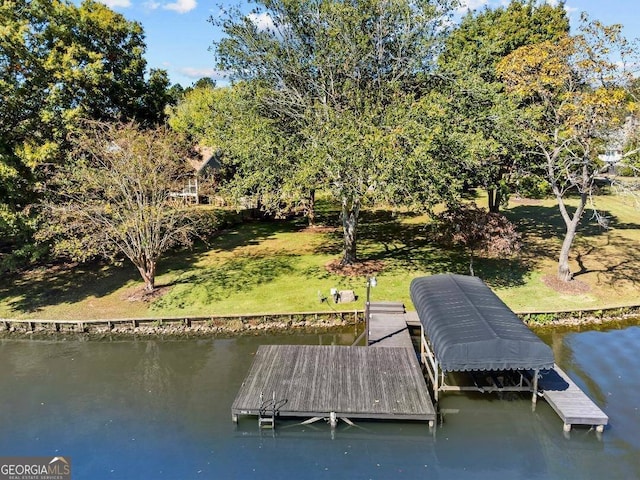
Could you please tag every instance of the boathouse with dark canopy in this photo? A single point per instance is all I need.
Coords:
(469, 329)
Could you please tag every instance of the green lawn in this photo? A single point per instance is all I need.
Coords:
(279, 266)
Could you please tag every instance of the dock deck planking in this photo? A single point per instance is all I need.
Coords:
(388, 330)
(387, 307)
(353, 382)
(571, 404)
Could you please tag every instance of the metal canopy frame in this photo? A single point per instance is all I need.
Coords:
(438, 377)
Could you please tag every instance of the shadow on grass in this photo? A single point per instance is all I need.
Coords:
(60, 284)
(238, 275)
(382, 235)
(252, 233)
(546, 222)
(407, 247)
(624, 266)
(33, 290)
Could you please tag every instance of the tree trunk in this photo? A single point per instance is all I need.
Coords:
(311, 208)
(491, 202)
(471, 263)
(494, 197)
(571, 222)
(564, 272)
(350, 213)
(147, 269)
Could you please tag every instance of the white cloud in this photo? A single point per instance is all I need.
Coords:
(262, 21)
(466, 5)
(196, 73)
(152, 5)
(117, 3)
(181, 6)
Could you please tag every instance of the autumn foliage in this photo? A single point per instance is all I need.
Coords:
(477, 231)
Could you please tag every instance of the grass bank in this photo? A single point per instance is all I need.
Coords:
(279, 266)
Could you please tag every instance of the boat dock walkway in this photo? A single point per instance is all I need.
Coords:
(388, 325)
(339, 382)
(571, 404)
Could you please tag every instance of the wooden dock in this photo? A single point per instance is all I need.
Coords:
(306, 381)
(571, 404)
(388, 326)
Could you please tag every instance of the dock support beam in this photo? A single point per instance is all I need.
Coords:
(534, 397)
(333, 419)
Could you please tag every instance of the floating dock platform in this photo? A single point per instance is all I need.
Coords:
(571, 404)
(340, 382)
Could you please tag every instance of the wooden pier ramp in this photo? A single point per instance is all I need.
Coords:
(571, 404)
(388, 325)
(340, 382)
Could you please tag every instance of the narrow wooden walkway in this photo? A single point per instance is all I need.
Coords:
(571, 404)
(388, 325)
(346, 382)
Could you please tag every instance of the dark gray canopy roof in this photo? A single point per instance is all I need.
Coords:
(470, 328)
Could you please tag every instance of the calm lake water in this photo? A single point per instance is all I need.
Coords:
(161, 409)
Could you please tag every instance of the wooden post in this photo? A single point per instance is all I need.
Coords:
(367, 312)
(366, 321)
(436, 375)
(534, 398)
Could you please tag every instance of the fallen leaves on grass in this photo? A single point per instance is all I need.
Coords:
(572, 287)
(139, 294)
(358, 269)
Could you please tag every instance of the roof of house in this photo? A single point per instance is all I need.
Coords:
(470, 328)
(206, 157)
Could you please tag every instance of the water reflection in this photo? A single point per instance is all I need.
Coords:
(161, 409)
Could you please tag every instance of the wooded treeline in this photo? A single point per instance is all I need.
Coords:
(391, 101)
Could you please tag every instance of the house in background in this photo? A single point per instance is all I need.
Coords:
(204, 164)
(614, 151)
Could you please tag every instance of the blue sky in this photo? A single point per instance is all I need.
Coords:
(178, 34)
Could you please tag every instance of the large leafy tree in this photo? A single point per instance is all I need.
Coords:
(483, 112)
(572, 99)
(116, 197)
(337, 72)
(60, 62)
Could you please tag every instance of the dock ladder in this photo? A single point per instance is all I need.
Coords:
(267, 412)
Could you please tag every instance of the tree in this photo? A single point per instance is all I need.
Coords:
(254, 154)
(572, 98)
(60, 62)
(483, 112)
(477, 230)
(115, 199)
(333, 70)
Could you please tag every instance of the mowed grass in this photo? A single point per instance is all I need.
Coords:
(279, 266)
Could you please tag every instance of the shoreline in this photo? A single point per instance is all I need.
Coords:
(238, 328)
(234, 328)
